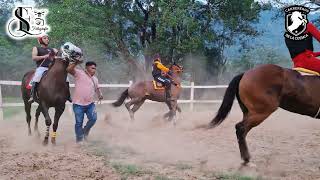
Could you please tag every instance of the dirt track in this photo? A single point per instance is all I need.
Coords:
(285, 146)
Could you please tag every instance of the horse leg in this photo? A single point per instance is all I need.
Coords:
(45, 111)
(136, 106)
(27, 108)
(57, 115)
(38, 111)
(178, 109)
(173, 112)
(249, 121)
(128, 106)
(166, 115)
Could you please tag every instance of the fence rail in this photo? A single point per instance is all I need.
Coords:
(191, 100)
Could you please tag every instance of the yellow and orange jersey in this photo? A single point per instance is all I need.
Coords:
(161, 66)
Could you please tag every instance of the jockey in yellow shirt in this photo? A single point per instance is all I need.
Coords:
(160, 74)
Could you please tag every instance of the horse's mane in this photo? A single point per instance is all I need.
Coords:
(59, 54)
(175, 64)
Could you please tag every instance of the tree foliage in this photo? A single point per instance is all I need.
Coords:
(133, 30)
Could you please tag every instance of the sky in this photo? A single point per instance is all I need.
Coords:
(26, 2)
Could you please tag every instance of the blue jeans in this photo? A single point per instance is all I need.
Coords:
(165, 81)
(79, 111)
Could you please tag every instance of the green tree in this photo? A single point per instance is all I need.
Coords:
(181, 28)
(125, 30)
(259, 56)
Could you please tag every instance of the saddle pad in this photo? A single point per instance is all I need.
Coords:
(29, 83)
(157, 85)
(306, 72)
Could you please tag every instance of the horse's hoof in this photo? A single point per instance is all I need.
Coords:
(252, 165)
(45, 142)
(53, 141)
(174, 123)
(249, 164)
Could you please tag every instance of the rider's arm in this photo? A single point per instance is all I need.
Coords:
(162, 67)
(312, 29)
(98, 91)
(35, 56)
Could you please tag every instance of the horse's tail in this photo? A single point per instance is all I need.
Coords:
(230, 94)
(121, 99)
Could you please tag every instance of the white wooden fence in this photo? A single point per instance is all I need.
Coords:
(191, 100)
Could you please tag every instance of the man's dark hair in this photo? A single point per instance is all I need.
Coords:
(90, 63)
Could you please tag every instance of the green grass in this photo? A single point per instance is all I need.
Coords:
(99, 148)
(162, 178)
(128, 170)
(9, 112)
(182, 166)
(12, 99)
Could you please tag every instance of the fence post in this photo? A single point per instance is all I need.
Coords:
(191, 96)
(1, 105)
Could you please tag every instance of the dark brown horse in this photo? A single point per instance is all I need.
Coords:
(143, 90)
(52, 92)
(260, 91)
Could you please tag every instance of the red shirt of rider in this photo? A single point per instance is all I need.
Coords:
(302, 51)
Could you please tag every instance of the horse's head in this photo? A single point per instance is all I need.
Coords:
(176, 69)
(296, 17)
(70, 52)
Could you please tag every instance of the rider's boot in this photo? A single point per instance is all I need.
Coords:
(33, 92)
(168, 93)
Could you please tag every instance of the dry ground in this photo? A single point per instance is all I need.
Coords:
(285, 146)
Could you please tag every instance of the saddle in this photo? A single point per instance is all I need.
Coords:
(306, 72)
(29, 83)
(157, 85)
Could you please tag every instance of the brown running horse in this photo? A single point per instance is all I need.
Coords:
(52, 92)
(260, 91)
(142, 90)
